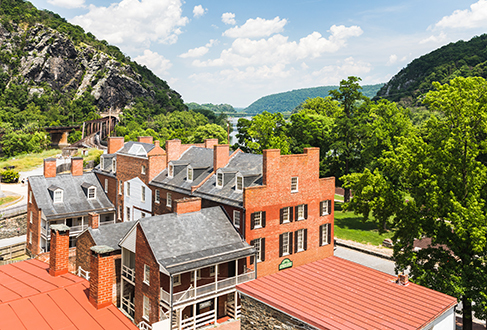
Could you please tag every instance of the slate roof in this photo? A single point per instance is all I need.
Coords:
(32, 299)
(75, 200)
(182, 242)
(128, 146)
(110, 235)
(249, 165)
(107, 162)
(335, 293)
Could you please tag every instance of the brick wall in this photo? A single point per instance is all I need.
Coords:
(83, 252)
(256, 315)
(101, 280)
(161, 208)
(34, 225)
(112, 191)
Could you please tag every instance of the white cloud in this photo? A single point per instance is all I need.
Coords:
(135, 23)
(199, 51)
(333, 74)
(278, 49)
(392, 59)
(474, 17)
(435, 39)
(199, 11)
(229, 18)
(67, 3)
(255, 28)
(157, 63)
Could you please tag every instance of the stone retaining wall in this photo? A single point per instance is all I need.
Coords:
(12, 227)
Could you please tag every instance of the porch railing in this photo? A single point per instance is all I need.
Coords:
(128, 273)
(83, 273)
(144, 326)
(199, 321)
(128, 307)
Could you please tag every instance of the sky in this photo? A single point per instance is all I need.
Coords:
(215, 51)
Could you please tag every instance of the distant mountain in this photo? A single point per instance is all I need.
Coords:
(211, 106)
(459, 59)
(287, 101)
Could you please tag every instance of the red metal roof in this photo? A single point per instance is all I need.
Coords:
(30, 298)
(334, 293)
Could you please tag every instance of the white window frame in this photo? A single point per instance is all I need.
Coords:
(176, 279)
(127, 185)
(114, 165)
(213, 270)
(286, 251)
(219, 179)
(325, 210)
(142, 194)
(189, 174)
(300, 212)
(258, 220)
(324, 234)
(294, 184)
(146, 312)
(170, 171)
(158, 196)
(284, 220)
(236, 218)
(30, 217)
(106, 185)
(91, 193)
(30, 237)
(120, 187)
(58, 196)
(300, 240)
(142, 170)
(257, 246)
(169, 199)
(146, 274)
(120, 212)
(30, 196)
(237, 183)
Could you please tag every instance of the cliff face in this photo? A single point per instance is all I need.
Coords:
(40, 55)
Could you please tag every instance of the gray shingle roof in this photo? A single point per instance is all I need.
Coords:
(75, 202)
(128, 146)
(110, 235)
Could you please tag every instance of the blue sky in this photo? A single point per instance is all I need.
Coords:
(238, 51)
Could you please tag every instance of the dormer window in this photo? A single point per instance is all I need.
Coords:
(170, 171)
(58, 196)
(239, 183)
(190, 174)
(91, 193)
(219, 180)
(114, 165)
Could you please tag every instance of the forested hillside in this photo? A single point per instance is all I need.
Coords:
(459, 59)
(210, 106)
(288, 101)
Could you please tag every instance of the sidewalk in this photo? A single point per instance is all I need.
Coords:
(378, 251)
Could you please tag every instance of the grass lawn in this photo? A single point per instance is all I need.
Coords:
(92, 154)
(28, 162)
(350, 227)
(8, 199)
(339, 197)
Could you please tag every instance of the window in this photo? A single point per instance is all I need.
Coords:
(142, 194)
(294, 184)
(325, 234)
(285, 244)
(30, 217)
(120, 185)
(169, 200)
(301, 212)
(300, 240)
(30, 196)
(142, 171)
(213, 270)
(128, 213)
(170, 171)
(239, 183)
(128, 188)
(286, 215)
(106, 185)
(30, 238)
(147, 274)
(177, 279)
(58, 196)
(114, 165)
(219, 179)
(143, 215)
(325, 207)
(158, 196)
(259, 245)
(146, 308)
(257, 220)
(190, 174)
(120, 210)
(91, 193)
(198, 275)
(236, 218)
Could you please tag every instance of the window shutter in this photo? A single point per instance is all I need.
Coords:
(295, 241)
(321, 208)
(262, 249)
(296, 215)
(291, 214)
(281, 217)
(263, 219)
(306, 211)
(329, 206)
(305, 243)
(329, 232)
(252, 257)
(290, 243)
(280, 244)
(252, 221)
(321, 234)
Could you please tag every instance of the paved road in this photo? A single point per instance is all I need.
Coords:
(383, 265)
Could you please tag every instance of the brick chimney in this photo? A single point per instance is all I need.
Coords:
(210, 143)
(101, 276)
(50, 167)
(144, 139)
(59, 254)
(270, 165)
(221, 156)
(173, 149)
(76, 166)
(115, 143)
(402, 279)
(93, 220)
(187, 205)
(157, 143)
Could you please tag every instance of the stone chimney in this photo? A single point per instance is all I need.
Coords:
(210, 143)
(93, 220)
(76, 166)
(101, 276)
(50, 167)
(144, 139)
(221, 156)
(59, 254)
(115, 143)
(187, 205)
(270, 164)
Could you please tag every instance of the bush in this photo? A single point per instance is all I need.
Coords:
(10, 176)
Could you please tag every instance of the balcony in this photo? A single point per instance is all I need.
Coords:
(128, 274)
(194, 293)
(73, 230)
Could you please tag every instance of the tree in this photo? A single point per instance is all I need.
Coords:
(210, 131)
(435, 186)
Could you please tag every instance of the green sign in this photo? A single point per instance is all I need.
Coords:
(286, 263)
